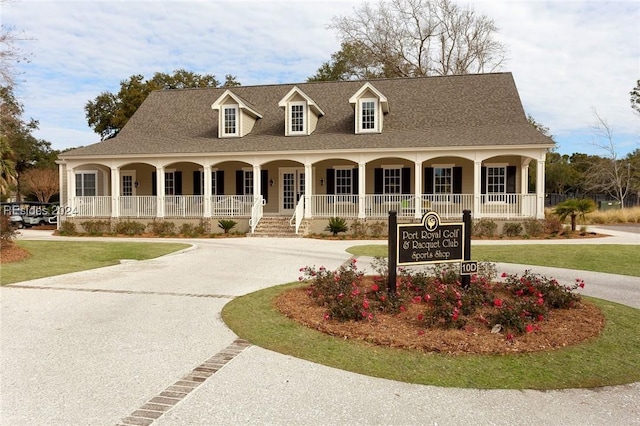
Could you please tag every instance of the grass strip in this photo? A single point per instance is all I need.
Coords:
(611, 359)
(50, 258)
(609, 258)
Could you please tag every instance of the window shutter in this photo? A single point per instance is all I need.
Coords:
(197, 186)
(354, 181)
(331, 181)
(483, 180)
(219, 182)
(264, 184)
(406, 180)
(378, 181)
(178, 182)
(239, 182)
(428, 180)
(457, 180)
(154, 183)
(511, 180)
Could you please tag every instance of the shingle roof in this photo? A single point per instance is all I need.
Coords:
(456, 111)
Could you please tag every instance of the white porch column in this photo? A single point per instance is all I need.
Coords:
(524, 187)
(115, 192)
(160, 192)
(540, 176)
(418, 190)
(257, 180)
(308, 189)
(362, 189)
(71, 190)
(206, 194)
(477, 190)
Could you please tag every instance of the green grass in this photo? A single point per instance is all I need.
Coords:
(610, 258)
(590, 364)
(50, 258)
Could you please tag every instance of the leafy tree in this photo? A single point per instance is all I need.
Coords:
(408, 38)
(44, 183)
(573, 208)
(560, 176)
(20, 150)
(635, 97)
(108, 112)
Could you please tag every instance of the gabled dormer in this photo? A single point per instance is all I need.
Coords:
(370, 106)
(301, 113)
(236, 116)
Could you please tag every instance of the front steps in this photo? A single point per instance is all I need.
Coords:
(278, 227)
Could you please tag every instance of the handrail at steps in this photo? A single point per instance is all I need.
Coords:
(256, 212)
(298, 214)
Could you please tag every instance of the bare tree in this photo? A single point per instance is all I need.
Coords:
(44, 183)
(609, 175)
(408, 38)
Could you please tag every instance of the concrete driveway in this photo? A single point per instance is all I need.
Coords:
(144, 340)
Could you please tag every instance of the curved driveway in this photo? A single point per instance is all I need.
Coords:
(96, 347)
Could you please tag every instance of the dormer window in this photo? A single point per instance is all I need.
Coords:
(236, 116)
(298, 118)
(230, 120)
(301, 113)
(369, 106)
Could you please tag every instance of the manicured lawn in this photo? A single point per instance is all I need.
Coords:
(610, 359)
(610, 258)
(60, 257)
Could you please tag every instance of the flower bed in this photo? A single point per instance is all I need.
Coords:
(432, 312)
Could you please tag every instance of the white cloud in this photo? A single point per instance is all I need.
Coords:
(567, 57)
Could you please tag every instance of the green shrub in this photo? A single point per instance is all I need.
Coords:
(336, 225)
(129, 227)
(359, 228)
(533, 227)
(7, 232)
(97, 227)
(67, 228)
(484, 228)
(226, 225)
(378, 229)
(162, 228)
(512, 229)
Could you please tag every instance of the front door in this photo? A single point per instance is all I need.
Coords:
(291, 189)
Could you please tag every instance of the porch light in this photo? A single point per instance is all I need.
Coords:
(321, 182)
(136, 183)
(270, 182)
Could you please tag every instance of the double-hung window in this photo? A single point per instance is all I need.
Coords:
(496, 183)
(344, 181)
(86, 184)
(230, 120)
(297, 118)
(392, 180)
(443, 180)
(368, 115)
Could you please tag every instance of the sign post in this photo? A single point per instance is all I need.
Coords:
(430, 242)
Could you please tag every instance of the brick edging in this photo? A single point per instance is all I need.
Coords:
(173, 394)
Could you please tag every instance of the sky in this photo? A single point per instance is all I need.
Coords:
(572, 61)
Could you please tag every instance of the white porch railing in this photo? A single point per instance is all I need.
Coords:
(183, 206)
(298, 215)
(231, 205)
(98, 206)
(138, 206)
(335, 205)
(256, 212)
(503, 206)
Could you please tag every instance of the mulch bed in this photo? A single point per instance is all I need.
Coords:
(561, 328)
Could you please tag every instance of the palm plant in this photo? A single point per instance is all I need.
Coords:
(573, 208)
